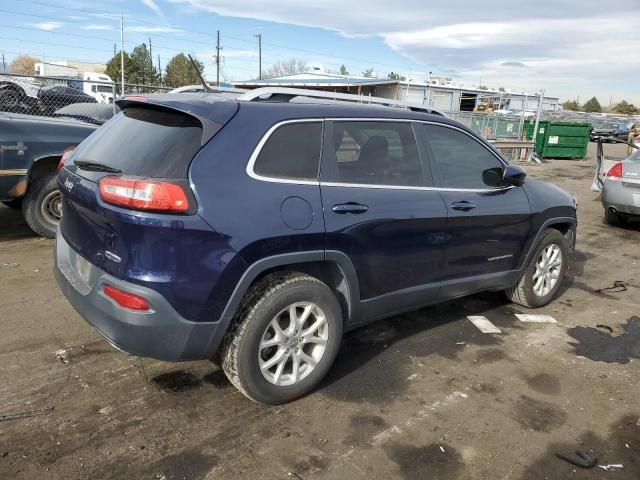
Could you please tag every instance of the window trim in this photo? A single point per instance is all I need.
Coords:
(256, 152)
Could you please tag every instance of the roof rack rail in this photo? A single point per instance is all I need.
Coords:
(283, 94)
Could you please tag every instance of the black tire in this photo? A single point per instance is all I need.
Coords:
(10, 99)
(613, 218)
(15, 204)
(523, 292)
(264, 301)
(41, 206)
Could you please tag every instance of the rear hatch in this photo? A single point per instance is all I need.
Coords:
(152, 142)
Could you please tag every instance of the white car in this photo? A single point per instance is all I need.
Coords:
(200, 89)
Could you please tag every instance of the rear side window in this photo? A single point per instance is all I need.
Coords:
(459, 161)
(373, 153)
(291, 152)
(146, 142)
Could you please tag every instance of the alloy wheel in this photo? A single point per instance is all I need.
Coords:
(548, 268)
(293, 344)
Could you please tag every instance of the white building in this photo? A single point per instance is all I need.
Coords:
(441, 93)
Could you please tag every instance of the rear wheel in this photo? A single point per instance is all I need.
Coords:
(42, 206)
(543, 276)
(285, 339)
(614, 218)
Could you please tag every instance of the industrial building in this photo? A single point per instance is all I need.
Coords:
(440, 93)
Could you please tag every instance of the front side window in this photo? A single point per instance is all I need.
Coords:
(373, 153)
(291, 152)
(458, 160)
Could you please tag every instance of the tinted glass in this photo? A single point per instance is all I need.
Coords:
(291, 152)
(374, 153)
(458, 160)
(145, 142)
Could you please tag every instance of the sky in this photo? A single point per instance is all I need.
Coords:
(571, 49)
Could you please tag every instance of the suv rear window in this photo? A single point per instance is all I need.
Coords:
(291, 152)
(143, 141)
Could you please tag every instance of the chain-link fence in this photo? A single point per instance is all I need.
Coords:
(492, 126)
(89, 99)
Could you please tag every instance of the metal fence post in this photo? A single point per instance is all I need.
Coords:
(113, 92)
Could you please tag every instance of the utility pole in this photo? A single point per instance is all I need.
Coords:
(150, 57)
(122, 52)
(114, 50)
(259, 37)
(4, 65)
(218, 59)
(159, 69)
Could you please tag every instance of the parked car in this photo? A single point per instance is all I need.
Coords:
(621, 191)
(259, 229)
(606, 130)
(30, 150)
(96, 113)
(23, 95)
(55, 97)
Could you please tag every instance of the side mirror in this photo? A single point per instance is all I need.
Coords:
(514, 175)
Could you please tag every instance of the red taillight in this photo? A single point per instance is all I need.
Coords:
(65, 157)
(143, 194)
(615, 171)
(126, 300)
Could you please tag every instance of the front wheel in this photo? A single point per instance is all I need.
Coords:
(543, 276)
(285, 338)
(42, 206)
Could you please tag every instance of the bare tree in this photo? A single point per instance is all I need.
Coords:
(285, 67)
(24, 64)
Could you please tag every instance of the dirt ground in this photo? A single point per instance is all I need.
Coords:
(424, 395)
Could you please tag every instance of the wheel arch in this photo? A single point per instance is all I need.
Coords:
(565, 225)
(333, 268)
(42, 165)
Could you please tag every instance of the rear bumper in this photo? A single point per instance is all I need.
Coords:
(160, 333)
(620, 197)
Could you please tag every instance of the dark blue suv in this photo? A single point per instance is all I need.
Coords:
(257, 230)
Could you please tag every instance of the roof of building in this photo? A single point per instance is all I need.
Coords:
(312, 79)
(308, 79)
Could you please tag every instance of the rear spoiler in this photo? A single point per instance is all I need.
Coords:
(211, 119)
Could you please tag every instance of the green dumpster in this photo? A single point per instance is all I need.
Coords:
(560, 139)
(540, 137)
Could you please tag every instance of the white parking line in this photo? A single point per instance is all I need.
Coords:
(536, 318)
(483, 324)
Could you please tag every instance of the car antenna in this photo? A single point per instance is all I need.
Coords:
(206, 87)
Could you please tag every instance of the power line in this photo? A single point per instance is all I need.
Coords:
(208, 34)
(56, 44)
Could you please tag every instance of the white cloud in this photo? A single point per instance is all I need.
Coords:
(567, 50)
(152, 5)
(47, 26)
(94, 26)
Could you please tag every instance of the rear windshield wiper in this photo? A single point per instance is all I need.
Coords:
(95, 166)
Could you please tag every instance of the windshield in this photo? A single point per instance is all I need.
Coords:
(101, 88)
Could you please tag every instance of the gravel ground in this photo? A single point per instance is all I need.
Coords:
(424, 395)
